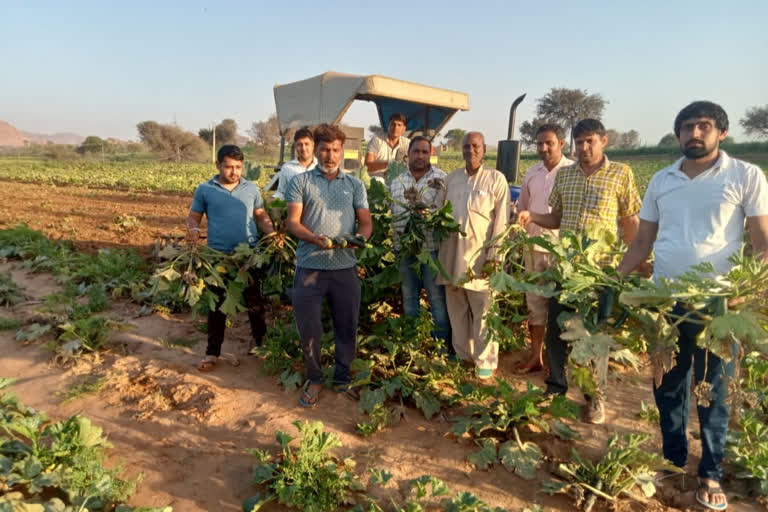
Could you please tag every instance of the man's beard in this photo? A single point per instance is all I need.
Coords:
(696, 152)
(326, 170)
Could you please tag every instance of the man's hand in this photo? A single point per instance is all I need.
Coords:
(645, 269)
(193, 235)
(323, 242)
(523, 218)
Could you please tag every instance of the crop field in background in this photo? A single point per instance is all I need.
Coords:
(182, 178)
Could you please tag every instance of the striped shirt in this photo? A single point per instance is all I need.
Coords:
(425, 193)
(595, 202)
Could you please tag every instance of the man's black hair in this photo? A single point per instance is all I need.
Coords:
(231, 151)
(551, 127)
(303, 133)
(419, 138)
(587, 126)
(702, 109)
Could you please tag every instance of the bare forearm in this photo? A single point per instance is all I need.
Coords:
(546, 220)
(264, 221)
(757, 228)
(640, 248)
(629, 227)
(301, 232)
(376, 165)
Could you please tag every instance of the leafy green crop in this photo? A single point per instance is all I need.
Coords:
(40, 459)
(308, 477)
(623, 466)
(10, 292)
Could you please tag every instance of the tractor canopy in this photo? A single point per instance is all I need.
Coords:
(325, 99)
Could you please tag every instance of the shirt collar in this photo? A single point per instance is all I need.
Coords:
(312, 164)
(215, 181)
(721, 163)
(318, 172)
(481, 169)
(603, 167)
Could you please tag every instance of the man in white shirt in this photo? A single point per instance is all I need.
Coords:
(382, 151)
(479, 196)
(534, 196)
(304, 148)
(695, 211)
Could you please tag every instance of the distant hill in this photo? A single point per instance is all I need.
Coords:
(10, 136)
(55, 138)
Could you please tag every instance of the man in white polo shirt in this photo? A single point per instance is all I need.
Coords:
(304, 148)
(695, 211)
(381, 151)
(534, 196)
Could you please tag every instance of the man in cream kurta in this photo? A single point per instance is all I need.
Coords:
(480, 199)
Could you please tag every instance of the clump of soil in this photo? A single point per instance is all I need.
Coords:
(149, 389)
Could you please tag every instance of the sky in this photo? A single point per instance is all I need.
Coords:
(94, 68)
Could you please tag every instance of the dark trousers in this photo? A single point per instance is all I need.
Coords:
(217, 321)
(673, 400)
(341, 288)
(556, 350)
(413, 282)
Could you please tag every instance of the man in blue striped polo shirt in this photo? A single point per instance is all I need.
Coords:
(325, 203)
(233, 206)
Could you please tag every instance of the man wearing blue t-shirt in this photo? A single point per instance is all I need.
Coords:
(233, 206)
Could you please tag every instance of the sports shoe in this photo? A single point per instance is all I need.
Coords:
(595, 411)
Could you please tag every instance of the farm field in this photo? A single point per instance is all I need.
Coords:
(186, 432)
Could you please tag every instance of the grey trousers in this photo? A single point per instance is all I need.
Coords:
(342, 290)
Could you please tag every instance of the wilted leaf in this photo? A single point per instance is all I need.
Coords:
(522, 459)
(563, 431)
(486, 456)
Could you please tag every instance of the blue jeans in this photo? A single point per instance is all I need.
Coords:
(411, 287)
(673, 400)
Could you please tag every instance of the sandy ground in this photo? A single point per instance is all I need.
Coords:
(186, 432)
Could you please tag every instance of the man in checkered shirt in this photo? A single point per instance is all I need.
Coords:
(423, 186)
(595, 194)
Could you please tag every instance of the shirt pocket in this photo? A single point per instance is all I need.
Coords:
(481, 203)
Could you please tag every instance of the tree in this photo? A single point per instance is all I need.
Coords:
(668, 141)
(528, 131)
(613, 138)
(569, 106)
(377, 130)
(267, 133)
(226, 133)
(755, 122)
(93, 144)
(454, 137)
(623, 140)
(171, 142)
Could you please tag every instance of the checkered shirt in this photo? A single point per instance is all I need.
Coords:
(429, 195)
(596, 202)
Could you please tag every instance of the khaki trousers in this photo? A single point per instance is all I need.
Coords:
(466, 309)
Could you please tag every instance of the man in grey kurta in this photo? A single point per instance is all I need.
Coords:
(325, 203)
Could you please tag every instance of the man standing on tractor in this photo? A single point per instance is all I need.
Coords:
(325, 207)
(304, 148)
(695, 211)
(382, 151)
(480, 199)
(422, 187)
(534, 196)
(234, 207)
(593, 195)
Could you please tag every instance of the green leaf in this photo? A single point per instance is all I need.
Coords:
(233, 302)
(380, 476)
(6, 381)
(563, 431)
(486, 456)
(522, 459)
(291, 380)
(561, 407)
(427, 402)
(369, 399)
